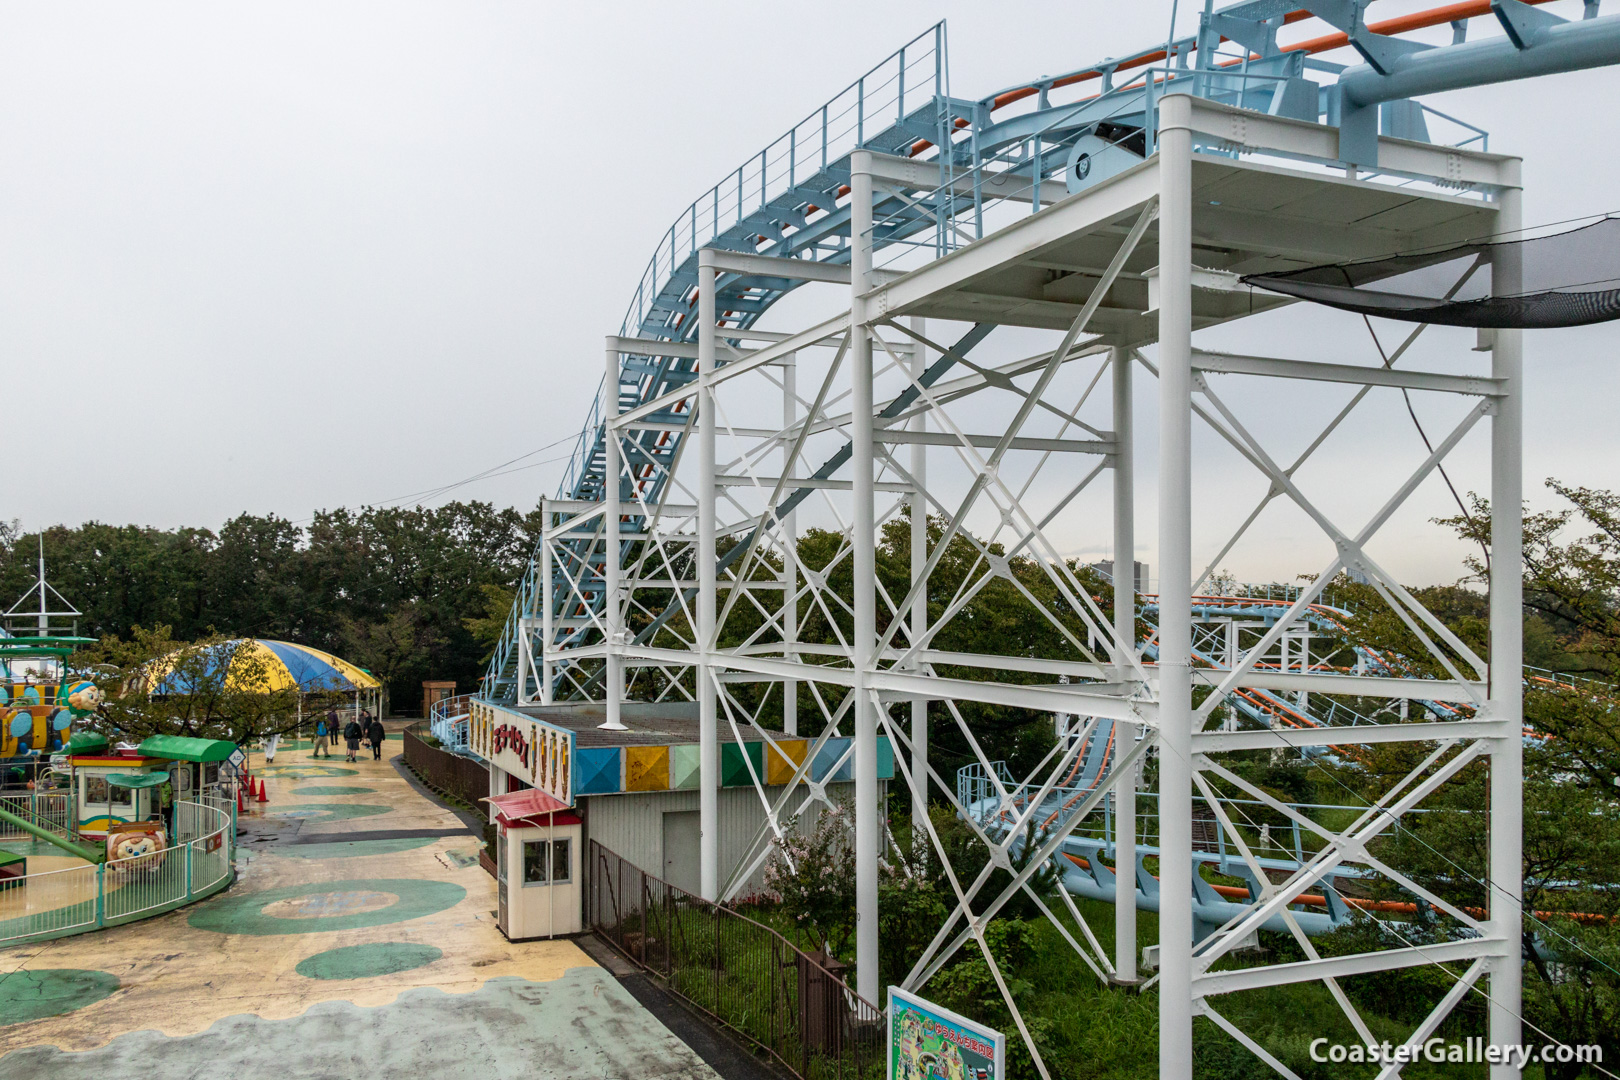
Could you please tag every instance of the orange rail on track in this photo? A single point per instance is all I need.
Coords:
(1419, 20)
(1398, 907)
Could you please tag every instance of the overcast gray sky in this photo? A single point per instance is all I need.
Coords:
(272, 258)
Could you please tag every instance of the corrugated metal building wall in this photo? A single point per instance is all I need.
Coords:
(634, 826)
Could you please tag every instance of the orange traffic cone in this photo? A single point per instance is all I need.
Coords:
(262, 796)
(241, 800)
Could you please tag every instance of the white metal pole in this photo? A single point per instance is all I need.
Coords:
(548, 666)
(868, 826)
(919, 605)
(1507, 645)
(524, 664)
(1175, 592)
(44, 621)
(612, 611)
(790, 549)
(708, 704)
(1125, 632)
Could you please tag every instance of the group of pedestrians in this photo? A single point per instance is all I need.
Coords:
(362, 727)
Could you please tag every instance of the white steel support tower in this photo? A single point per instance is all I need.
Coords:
(790, 523)
(1137, 258)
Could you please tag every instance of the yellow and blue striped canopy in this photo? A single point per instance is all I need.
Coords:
(284, 666)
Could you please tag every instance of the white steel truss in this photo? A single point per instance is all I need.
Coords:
(889, 431)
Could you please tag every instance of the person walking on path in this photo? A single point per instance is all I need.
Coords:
(323, 739)
(351, 735)
(376, 734)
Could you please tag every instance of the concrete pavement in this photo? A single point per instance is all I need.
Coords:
(360, 934)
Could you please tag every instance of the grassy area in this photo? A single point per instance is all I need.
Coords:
(746, 976)
(1094, 1032)
(1090, 1031)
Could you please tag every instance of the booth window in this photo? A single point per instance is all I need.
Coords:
(539, 856)
(97, 792)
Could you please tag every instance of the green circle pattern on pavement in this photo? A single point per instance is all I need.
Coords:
(244, 914)
(321, 812)
(34, 995)
(331, 790)
(367, 961)
(352, 849)
(306, 772)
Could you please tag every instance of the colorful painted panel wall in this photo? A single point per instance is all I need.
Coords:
(599, 770)
(646, 768)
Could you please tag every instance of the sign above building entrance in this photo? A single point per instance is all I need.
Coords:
(538, 753)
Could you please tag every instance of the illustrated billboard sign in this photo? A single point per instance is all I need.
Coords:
(927, 1042)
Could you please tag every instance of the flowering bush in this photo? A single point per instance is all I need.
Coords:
(814, 874)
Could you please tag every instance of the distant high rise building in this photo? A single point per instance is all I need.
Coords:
(1107, 567)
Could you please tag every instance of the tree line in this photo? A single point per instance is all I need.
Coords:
(406, 593)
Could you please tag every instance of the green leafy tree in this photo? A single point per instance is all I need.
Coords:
(346, 576)
(396, 648)
(1576, 998)
(214, 688)
(486, 628)
(969, 987)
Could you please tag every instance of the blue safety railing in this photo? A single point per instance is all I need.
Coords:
(448, 720)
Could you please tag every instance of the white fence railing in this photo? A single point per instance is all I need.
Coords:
(52, 810)
(56, 902)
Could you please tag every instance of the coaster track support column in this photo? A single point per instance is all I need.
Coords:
(548, 599)
(919, 606)
(1175, 588)
(708, 703)
(868, 824)
(1125, 631)
(1507, 645)
(612, 610)
(790, 548)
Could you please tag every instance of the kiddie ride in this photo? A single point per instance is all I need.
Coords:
(38, 705)
(123, 797)
(62, 786)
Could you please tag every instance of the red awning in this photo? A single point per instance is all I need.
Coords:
(530, 806)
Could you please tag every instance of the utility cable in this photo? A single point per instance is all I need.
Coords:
(1474, 988)
(1424, 435)
(1486, 881)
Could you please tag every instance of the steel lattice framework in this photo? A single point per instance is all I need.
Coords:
(1116, 224)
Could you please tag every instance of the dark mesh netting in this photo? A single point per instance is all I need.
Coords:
(1570, 278)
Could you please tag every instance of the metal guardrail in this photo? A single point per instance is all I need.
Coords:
(447, 722)
(52, 810)
(788, 1003)
(1268, 834)
(461, 776)
(75, 899)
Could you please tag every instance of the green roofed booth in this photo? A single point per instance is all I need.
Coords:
(197, 761)
(180, 748)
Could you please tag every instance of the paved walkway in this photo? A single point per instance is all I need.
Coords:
(360, 935)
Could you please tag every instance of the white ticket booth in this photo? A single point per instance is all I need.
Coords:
(537, 866)
(538, 861)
